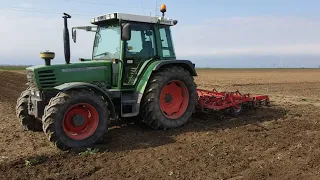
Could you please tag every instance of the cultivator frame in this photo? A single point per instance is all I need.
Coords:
(213, 101)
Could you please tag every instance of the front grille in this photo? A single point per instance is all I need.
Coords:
(47, 79)
(31, 80)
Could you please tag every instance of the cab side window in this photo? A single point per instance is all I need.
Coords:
(141, 45)
(166, 41)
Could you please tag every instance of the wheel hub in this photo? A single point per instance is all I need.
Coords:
(174, 99)
(78, 120)
(168, 98)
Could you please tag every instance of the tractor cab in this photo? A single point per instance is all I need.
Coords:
(131, 42)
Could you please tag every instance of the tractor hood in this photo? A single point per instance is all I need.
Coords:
(47, 77)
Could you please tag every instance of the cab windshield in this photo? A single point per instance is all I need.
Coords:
(107, 43)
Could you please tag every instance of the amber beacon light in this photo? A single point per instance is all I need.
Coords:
(163, 9)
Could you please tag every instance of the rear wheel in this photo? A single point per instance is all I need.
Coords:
(169, 99)
(75, 119)
(27, 121)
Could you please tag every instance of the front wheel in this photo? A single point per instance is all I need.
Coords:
(28, 122)
(75, 119)
(169, 98)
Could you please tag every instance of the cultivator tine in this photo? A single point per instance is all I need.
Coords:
(212, 101)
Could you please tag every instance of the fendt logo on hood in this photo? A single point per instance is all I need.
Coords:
(83, 69)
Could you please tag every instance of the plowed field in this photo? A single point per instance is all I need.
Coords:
(277, 142)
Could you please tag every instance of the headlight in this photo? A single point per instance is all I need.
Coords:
(112, 16)
(103, 17)
(35, 93)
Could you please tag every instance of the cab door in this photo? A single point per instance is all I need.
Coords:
(140, 49)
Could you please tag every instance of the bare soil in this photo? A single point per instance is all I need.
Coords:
(277, 142)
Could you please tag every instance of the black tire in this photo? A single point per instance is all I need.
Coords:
(151, 112)
(28, 122)
(237, 112)
(54, 117)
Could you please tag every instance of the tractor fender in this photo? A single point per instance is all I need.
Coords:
(82, 85)
(156, 65)
(186, 64)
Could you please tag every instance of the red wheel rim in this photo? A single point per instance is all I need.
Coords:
(174, 99)
(80, 121)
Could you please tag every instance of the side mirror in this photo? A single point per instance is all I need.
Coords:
(74, 36)
(126, 32)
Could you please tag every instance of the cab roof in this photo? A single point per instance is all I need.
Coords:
(133, 17)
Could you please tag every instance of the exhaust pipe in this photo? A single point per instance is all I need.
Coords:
(66, 40)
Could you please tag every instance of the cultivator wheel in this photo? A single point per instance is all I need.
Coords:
(75, 119)
(236, 111)
(27, 121)
(169, 99)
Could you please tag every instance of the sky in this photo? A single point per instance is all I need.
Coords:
(211, 33)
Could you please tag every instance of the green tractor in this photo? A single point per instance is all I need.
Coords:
(133, 72)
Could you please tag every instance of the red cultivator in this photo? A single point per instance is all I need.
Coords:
(210, 101)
